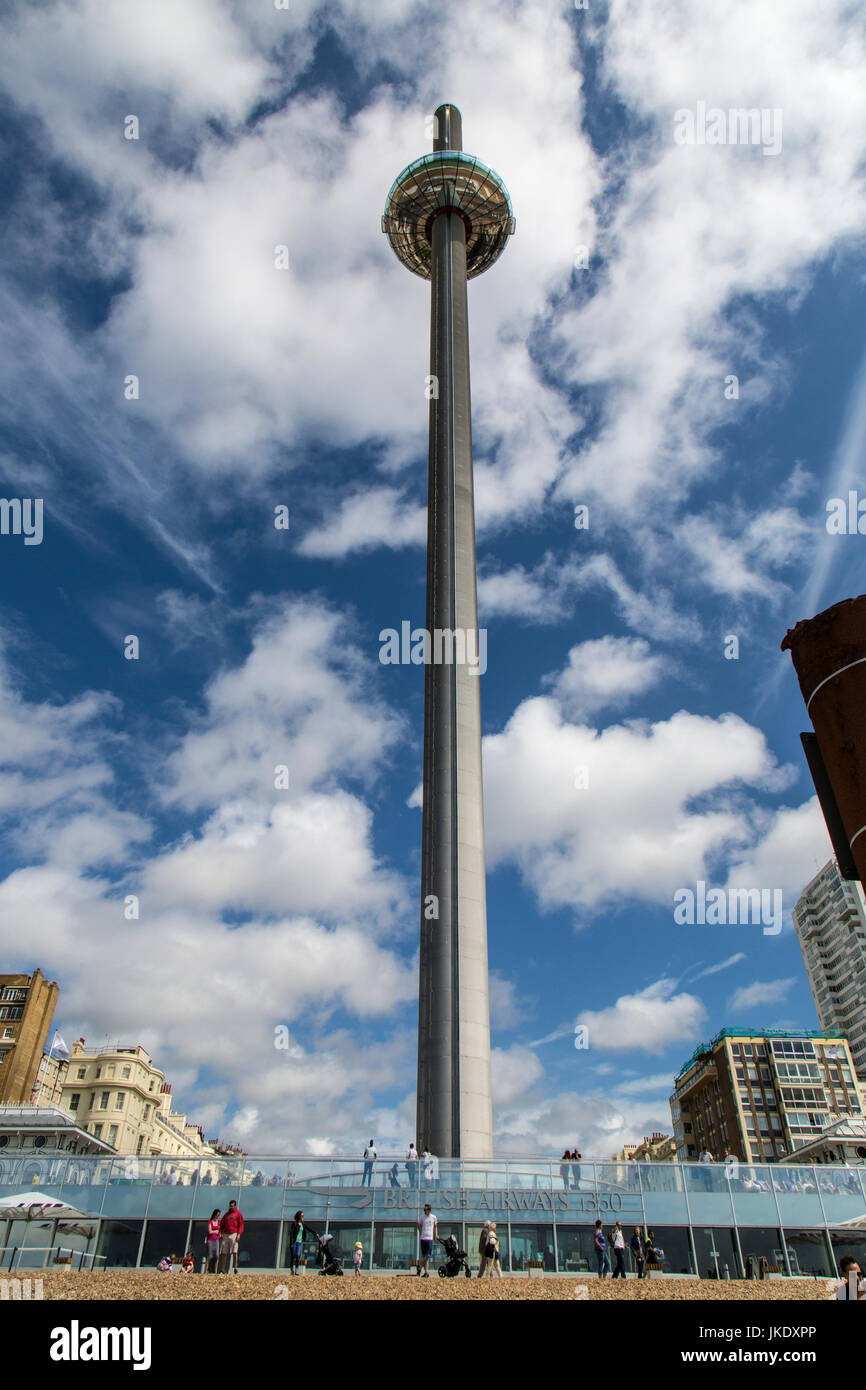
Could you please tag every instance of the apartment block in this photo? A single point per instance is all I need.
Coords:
(27, 1004)
(763, 1095)
(830, 919)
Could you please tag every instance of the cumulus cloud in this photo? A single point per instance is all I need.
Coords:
(295, 702)
(658, 806)
(650, 1020)
(604, 672)
(761, 992)
(515, 1071)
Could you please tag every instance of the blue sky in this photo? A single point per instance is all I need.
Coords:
(601, 386)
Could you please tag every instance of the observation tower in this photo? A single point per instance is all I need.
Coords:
(448, 218)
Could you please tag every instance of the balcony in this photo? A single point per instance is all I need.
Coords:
(708, 1072)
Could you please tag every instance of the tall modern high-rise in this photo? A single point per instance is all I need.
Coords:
(830, 918)
(448, 218)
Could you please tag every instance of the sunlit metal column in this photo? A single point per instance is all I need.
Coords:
(448, 217)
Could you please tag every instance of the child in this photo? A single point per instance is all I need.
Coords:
(188, 1265)
(359, 1255)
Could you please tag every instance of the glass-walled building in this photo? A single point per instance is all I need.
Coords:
(707, 1219)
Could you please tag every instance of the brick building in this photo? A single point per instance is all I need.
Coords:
(27, 1004)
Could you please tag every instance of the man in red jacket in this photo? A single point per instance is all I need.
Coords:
(231, 1229)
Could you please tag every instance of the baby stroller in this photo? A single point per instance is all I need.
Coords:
(326, 1257)
(455, 1260)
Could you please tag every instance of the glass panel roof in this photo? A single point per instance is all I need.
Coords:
(448, 179)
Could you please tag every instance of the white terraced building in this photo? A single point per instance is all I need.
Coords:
(830, 918)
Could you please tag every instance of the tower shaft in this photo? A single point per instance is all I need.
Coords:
(454, 1094)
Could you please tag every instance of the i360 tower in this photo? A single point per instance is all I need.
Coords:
(448, 218)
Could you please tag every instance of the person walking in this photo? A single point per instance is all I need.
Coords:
(492, 1253)
(369, 1159)
(412, 1164)
(298, 1233)
(358, 1257)
(482, 1248)
(638, 1251)
(212, 1242)
(619, 1251)
(601, 1254)
(231, 1230)
(429, 1229)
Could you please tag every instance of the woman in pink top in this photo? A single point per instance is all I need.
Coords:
(212, 1243)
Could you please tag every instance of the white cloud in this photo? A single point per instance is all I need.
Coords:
(295, 702)
(368, 519)
(650, 1020)
(645, 1085)
(792, 847)
(604, 672)
(761, 992)
(313, 853)
(659, 805)
(721, 965)
(515, 1071)
(507, 1008)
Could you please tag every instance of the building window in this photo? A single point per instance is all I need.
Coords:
(125, 1073)
(98, 1073)
(97, 1131)
(8, 1032)
(15, 996)
(103, 1100)
(112, 1134)
(82, 1072)
(74, 1100)
(10, 1012)
(118, 1101)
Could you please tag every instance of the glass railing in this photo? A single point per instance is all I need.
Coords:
(275, 1180)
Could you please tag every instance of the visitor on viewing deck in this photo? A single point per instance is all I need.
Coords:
(231, 1230)
(565, 1169)
(429, 1229)
(212, 1242)
(849, 1266)
(619, 1251)
(297, 1234)
(492, 1253)
(394, 1175)
(638, 1252)
(369, 1157)
(601, 1254)
(432, 1170)
(575, 1168)
(412, 1164)
(424, 1166)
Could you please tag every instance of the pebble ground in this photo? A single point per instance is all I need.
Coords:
(147, 1285)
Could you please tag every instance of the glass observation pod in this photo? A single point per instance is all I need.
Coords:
(99, 1213)
(448, 180)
